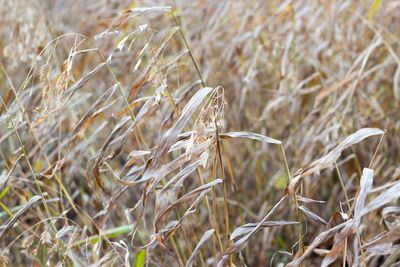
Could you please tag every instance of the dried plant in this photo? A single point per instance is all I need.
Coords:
(199, 133)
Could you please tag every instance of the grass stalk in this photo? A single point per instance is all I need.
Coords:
(188, 48)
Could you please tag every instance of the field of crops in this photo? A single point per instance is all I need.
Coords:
(199, 133)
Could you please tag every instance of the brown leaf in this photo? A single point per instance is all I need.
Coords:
(5, 99)
(203, 239)
(91, 112)
(331, 157)
(138, 84)
(390, 216)
(338, 246)
(131, 105)
(79, 84)
(333, 87)
(40, 120)
(321, 237)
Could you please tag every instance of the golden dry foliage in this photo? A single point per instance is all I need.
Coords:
(199, 133)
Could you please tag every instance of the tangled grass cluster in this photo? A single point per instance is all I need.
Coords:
(206, 133)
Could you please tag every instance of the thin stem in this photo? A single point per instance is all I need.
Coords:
(140, 134)
(27, 159)
(342, 184)
(299, 216)
(345, 252)
(41, 147)
(225, 194)
(188, 48)
(215, 206)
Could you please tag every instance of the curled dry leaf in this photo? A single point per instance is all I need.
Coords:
(396, 78)
(135, 155)
(93, 110)
(333, 87)
(331, 157)
(387, 196)
(133, 177)
(244, 229)
(65, 230)
(321, 237)
(203, 239)
(308, 200)
(174, 225)
(99, 158)
(79, 84)
(139, 11)
(336, 219)
(384, 242)
(249, 135)
(348, 230)
(312, 215)
(338, 246)
(391, 217)
(175, 182)
(131, 105)
(192, 194)
(365, 187)
(170, 136)
(239, 245)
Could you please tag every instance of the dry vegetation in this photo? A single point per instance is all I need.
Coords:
(173, 133)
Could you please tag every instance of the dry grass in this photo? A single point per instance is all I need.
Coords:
(173, 133)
